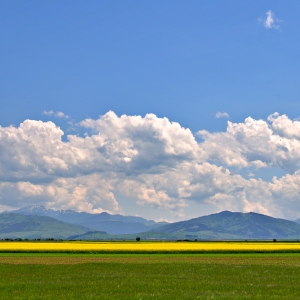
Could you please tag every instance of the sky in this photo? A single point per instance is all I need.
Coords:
(164, 109)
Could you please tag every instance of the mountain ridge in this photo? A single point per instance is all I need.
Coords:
(13, 225)
(235, 224)
(222, 225)
(112, 224)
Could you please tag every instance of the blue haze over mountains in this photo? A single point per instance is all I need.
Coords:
(112, 224)
(235, 225)
(223, 225)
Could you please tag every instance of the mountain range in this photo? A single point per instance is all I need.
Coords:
(233, 225)
(112, 224)
(37, 221)
(13, 225)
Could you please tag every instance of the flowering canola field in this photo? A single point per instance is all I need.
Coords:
(135, 247)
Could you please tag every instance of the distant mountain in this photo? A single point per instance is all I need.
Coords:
(13, 225)
(82, 225)
(232, 225)
(297, 221)
(147, 235)
(112, 224)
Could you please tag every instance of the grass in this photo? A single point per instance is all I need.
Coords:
(160, 276)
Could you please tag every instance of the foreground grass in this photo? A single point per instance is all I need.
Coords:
(182, 276)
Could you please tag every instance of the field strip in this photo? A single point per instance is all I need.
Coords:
(248, 259)
(149, 247)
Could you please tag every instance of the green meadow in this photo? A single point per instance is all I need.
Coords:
(149, 276)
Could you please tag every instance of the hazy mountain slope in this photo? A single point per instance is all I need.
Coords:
(14, 225)
(143, 235)
(62, 215)
(242, 225)
(224, 225)
(113, 224)
(297, 221)
(116, 227)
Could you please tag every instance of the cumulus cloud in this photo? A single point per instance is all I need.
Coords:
(121, 148)
(221, 115)
(58, 114)
(285, 127)
(150, 159)
(90, 193)
(271, 22)
(255, 143)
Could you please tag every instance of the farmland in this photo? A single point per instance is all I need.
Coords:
(149, 270)
(150, 247)
(148, 276)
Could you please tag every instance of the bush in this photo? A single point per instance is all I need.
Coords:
(138, 238)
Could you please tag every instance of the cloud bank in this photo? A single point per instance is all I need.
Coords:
(152, 160)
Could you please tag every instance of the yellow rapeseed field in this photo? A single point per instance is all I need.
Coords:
(148, 246)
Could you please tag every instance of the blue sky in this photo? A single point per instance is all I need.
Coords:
(183, 60)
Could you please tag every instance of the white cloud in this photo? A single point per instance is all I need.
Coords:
(271, 22)
(48, 113)
(150, 159)
(90, 193)
(121, 149)
(255, 143)
(221, 115)
(58, 114)
(285, 127)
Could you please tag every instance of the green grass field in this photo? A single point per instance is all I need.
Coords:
(142, 276)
